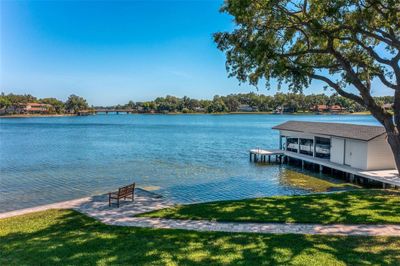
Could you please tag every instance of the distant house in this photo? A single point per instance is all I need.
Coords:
(357, 146)
(284, 109)
(199, 109)
(336, 108)
(34, 108)
(321, 108)
(245, 108)
(278, 110)
(289, 109)
(13, 109)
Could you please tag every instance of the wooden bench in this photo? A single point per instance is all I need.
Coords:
(122, 193)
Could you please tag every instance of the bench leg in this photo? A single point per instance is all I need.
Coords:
(133, 196)
(118, 203)
(109, 200)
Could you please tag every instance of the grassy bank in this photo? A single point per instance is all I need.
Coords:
(351, 207)
(64, 237)
(362, 113)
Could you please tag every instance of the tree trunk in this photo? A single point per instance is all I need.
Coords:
(392, 130)
(394, 142)
(394, 134)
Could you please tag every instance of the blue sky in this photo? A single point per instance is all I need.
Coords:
(113, 51)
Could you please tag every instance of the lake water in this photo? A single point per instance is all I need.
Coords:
(188, 158)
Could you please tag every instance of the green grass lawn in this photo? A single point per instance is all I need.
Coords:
(351, 207)
(65, 237)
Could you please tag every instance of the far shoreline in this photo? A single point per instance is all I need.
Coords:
(35, 115)
(179, 113)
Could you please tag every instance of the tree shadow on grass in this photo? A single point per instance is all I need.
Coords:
(353, 207)
(66, 237)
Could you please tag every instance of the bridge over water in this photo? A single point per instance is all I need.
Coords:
(106, 111)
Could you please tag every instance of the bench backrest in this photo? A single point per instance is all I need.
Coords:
(127, 190)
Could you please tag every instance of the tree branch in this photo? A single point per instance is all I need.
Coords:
(396, 68)
(337, 88)
(382, 78)
(308, 51)
(392, 42)
(372, 53)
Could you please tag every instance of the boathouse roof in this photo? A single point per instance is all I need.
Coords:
(350, 131)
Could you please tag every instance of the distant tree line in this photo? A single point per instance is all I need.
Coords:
(250, 102)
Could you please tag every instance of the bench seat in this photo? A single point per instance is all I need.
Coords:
(127, 192)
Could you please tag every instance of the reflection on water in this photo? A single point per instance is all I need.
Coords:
(311, 181)
(187, 158)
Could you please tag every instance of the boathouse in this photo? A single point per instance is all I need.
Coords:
(357, 146)
(361, 153)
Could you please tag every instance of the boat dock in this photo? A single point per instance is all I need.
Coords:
(387, 178)
(259, 155)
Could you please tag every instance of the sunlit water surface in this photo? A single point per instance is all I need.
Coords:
(188, 158)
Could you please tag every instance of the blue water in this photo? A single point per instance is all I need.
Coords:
(187, 158)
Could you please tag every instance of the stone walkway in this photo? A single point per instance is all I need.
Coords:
(97, 207)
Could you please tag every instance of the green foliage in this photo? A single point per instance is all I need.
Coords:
(291, 40)
(185, 110)
(65, 237)
(353, 207)
(217, 105)
(75, 104)
(15, 99)
(4, 102)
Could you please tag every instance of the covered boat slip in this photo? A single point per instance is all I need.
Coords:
(359, 151)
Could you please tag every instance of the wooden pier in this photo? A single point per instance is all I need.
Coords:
(259, 155)
(388, 178)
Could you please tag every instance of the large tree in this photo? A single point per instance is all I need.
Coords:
(347, 44)
(75, 104)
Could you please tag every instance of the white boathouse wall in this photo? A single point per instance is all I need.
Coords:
(380, 156)
(356, 153)
(337, 150)
(366, 155)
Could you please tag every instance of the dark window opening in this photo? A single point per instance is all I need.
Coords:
(292, 144)
(323, 148)
(306, 146)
